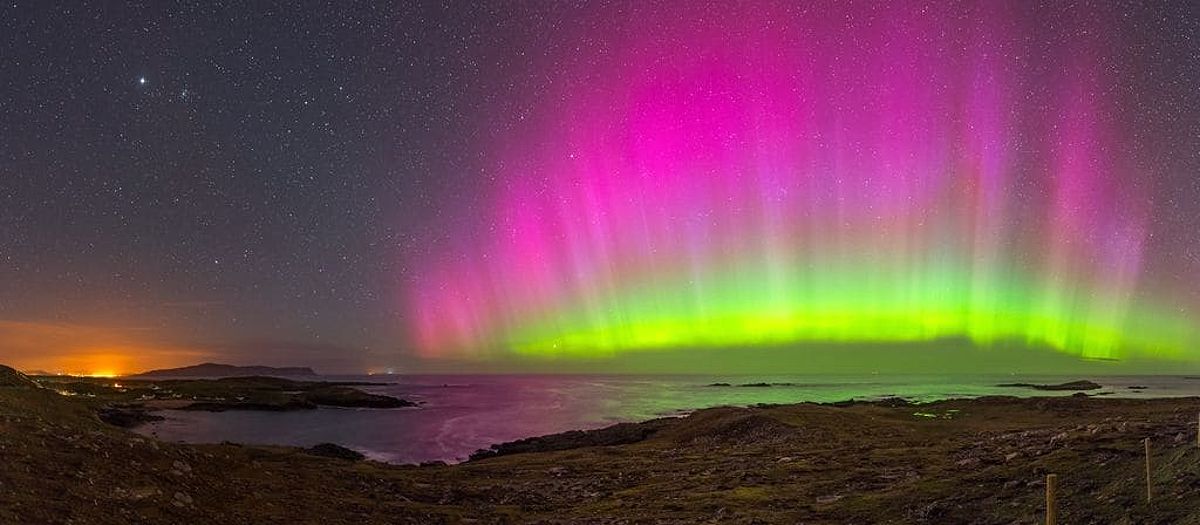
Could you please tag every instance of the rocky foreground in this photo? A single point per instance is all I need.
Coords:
(962, 461)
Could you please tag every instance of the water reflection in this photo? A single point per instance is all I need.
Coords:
(461, 414)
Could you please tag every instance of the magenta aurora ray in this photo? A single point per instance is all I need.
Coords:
(764, 173)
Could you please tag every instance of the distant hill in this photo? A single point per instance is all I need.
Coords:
(221, 370)
(13, 378)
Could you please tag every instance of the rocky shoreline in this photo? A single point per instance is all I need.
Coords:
(980, 461)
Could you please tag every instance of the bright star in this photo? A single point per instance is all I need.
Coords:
(142, 80)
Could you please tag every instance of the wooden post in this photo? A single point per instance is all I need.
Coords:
(1051, 508)
(1148, 493)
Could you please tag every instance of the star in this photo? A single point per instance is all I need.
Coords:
(142, 81)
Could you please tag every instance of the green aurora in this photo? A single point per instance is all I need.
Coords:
(668, 201)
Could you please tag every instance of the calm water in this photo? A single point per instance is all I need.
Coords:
(461, 414)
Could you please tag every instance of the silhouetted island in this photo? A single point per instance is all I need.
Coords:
(750, 385)
(214, 370)
(1069, 386)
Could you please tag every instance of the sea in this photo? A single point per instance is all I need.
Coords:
(459, 414)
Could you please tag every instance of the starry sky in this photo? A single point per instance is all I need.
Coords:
(301, 184)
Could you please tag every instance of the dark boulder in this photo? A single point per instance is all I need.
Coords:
(331, 450)
(126, 416)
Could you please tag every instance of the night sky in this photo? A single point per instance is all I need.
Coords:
(352, 186)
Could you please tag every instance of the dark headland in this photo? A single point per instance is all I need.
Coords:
(980, 461)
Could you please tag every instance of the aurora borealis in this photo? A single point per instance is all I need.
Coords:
(759, 174)
(651, 186)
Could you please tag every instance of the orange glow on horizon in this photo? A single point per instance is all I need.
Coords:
(108, 362)
(84, 350)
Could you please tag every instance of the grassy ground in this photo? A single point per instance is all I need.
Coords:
(978, 461)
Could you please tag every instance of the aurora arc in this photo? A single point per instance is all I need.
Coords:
(853, 172)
